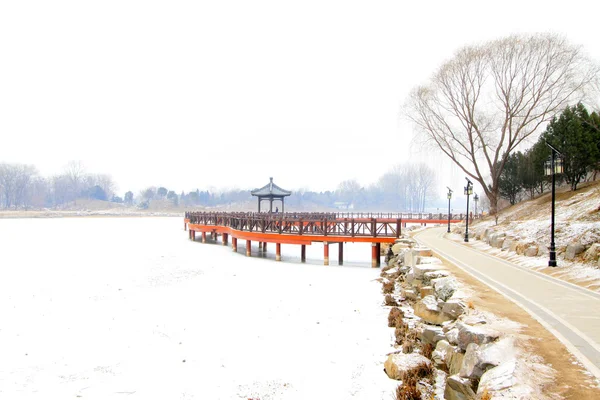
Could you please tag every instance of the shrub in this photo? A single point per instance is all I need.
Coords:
(388, 287)
(390, 301)
(408, 391)
(427, 350)
(395, 317)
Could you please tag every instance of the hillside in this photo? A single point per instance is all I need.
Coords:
(527, 225)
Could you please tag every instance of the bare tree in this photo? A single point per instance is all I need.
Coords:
(75, 173)
(486, 101)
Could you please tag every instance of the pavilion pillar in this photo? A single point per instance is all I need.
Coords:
(258, 203)
(234, 243)
(203, 237)
(374, 255)
(325, 253)
(282, 205)
(271, 205)
(341, 254)
(248, 248)
(277, 251)
(303, 253)
(224, 237)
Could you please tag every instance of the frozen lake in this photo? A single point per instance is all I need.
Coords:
(124, 308)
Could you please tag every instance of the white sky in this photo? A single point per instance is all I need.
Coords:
(224, 94)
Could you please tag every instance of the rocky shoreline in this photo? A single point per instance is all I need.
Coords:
(445, 347)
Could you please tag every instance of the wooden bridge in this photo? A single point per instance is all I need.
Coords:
(307, 228)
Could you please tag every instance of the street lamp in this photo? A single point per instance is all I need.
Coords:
(449, 197)
(476, 198)
(468, 192)
(552, 167)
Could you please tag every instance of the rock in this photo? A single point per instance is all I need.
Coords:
(508, 242)
(409, 294)
(475, 334)
(470, 366)
(452, 336)
(445, 287)
(426, 291)
(513, 245)
(573, 250)
(410, 256)
(421, 269)
(440, 353)
(398, 248)
(497, 239)
(592, 253)
(428, 260)
(391, 271)
(427, 309)
(474, 319)
(428, 276)
(493, 354)
(399, 364)
(458, 388)
(531, 251)
(454, 360)
(454, 308)
(410, 276)
(432, 334)
(498, 378)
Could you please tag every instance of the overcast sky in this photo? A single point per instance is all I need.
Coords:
(224, 94)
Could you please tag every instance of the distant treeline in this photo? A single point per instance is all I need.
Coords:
(406, 187)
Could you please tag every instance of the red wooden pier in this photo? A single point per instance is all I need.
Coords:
(307, 228)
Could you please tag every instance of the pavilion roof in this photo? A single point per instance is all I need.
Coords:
(270, 189)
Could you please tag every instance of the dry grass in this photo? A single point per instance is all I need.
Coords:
(388, 287)
(470, 305)
(395, 317)
(485, 395)
(408, 391)
(390, 301)
(427, 350)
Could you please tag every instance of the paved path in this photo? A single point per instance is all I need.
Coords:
(570, 312)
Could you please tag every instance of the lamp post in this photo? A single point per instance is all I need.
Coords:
(468, 192)
(552, 167)
(476, 199)
(449, 197)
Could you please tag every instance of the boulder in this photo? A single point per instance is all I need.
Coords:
(409, 294)
(398, 248)
(531, 251)
(452, 336)
(432, 334)
(428, 260)
(445, 287)
(458, 388)
(428, 276)
(513, 245)
(421, 269)
(427, 309)
(454, 360)
(498, 378)
(508, 242)
(440, 353)
(426, 291)
(475, 334)
(398, 365)
(470, 367)
(497, 239)
(493, 354)
(573, 250)
(454, 308)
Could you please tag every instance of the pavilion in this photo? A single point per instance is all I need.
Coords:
(271, 192)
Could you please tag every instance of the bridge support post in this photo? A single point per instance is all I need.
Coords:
(303, 253)
(234, 244)
(224, 237)
(277, 251)
(264, 246)
(325, 253)
(248, 248)
(374, 255)
(190, 234)
(378, 254)
(203, 237)
(184, 225)
(341, 254)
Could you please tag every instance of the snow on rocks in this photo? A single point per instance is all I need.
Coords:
(477, 350)
(399, 366)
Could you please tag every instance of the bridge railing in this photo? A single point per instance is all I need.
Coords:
(320, 224)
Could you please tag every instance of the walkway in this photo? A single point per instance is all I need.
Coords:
(568, 311)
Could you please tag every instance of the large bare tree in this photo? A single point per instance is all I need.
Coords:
(489, 99)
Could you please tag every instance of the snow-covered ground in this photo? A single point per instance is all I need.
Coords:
(111, 308)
